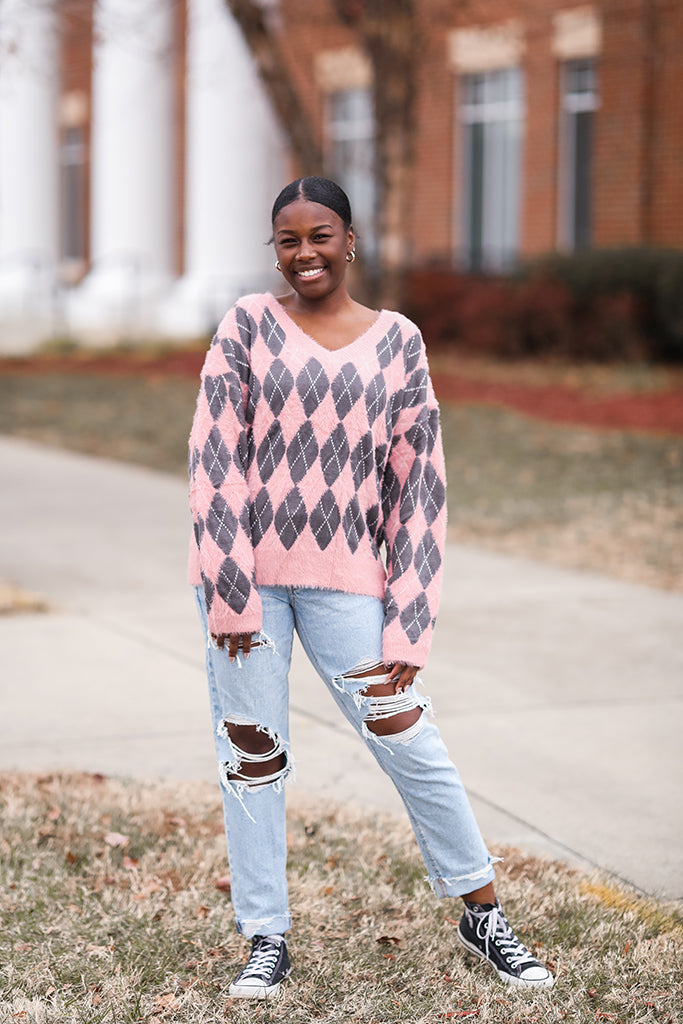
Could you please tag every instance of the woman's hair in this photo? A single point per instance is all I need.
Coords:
(317, 190)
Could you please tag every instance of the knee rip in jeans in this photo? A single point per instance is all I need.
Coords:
(259, 757)
(396, 717)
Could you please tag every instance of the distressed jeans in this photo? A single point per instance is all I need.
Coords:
(342, 636)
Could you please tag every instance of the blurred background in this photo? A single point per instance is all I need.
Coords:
(515, 166)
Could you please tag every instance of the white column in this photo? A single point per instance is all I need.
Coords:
(234, 170)
(132, 175)
(28, 170)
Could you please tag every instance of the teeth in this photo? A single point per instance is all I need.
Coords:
(311, 273)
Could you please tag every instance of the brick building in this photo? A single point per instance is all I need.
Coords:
(139, 153)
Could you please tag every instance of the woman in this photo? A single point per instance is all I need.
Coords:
(316, 441)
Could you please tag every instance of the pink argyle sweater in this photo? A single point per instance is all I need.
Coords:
(305, 462)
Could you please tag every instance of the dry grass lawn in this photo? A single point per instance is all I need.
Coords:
(114, 909)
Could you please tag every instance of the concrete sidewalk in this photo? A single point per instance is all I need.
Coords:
(557, 692)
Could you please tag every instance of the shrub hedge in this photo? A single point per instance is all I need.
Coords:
(600, 304)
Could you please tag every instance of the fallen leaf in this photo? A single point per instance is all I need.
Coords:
(388, 940)
(627, 947)
(222, 883)
(202, 911)
(327, 890)
(166, 1002)
(71, 858)
(178, 822)
(54, 813)
(389, 956)
(116, 839)
(130, 863)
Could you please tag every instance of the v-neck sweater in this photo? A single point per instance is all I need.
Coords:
(317, 467)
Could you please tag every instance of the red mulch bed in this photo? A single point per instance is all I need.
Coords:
(660, 411)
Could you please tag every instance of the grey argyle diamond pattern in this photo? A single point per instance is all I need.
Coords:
(415, 391)
(432, 429)
(243, 454)
(209, 590)
(372, 521)
(221, 523)
(347, 388)
(411, 353)
(391, 492)
(390, 608)
(291, 518)
(277, 386)
(312, 384)
(353, 524)
(432, 493)
(362, 459)
(334, 454)
(273, 334)
(380, 459)
(324, 520)
(233, 586)
(401, 554)
(427, 559)
(260, 516)
(389, 346)
(216, 392)
(215, 457)
(246, 326)
(418, 435)
(415, 618)
(302, 451)
(410, 492)
(253, 398)
(375, 397)
(271, 451)
(236, 358)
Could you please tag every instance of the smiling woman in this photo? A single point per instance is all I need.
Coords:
(315, 444)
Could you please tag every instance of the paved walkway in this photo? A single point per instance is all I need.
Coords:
(557, 692)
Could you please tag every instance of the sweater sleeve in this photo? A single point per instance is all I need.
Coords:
(414, 511)
(219, 499)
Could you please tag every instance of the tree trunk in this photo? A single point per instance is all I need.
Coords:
(388, 31)
(272, 67)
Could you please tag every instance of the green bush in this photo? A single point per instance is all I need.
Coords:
(600, 304)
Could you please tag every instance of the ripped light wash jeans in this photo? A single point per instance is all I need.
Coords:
(342, 636)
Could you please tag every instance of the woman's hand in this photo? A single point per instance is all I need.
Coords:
(401, 675)
(235, 641)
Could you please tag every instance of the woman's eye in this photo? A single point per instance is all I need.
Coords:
(321, 238)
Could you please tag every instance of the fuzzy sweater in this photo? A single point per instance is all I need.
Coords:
(305, 461)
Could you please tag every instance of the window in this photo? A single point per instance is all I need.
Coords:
(350, 158)
(72, 205)
(579, 101)
(491, 112)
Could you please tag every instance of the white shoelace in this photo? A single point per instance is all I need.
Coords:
(498, 931)
(261, 961)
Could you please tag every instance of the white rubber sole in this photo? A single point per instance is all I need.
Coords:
(507, 979)
(237, 991)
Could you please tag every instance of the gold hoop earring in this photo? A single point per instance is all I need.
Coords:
(277, 266)
(350, 256)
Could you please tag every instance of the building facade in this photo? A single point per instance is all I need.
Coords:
(139, 152)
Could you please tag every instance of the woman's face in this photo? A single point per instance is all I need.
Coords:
(311, 243)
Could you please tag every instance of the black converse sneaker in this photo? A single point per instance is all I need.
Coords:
(268, 965)
(485, 931)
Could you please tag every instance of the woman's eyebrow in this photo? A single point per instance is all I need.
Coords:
(290, 231)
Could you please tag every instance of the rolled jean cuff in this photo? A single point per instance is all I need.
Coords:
(463, 884)
(276, 925)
